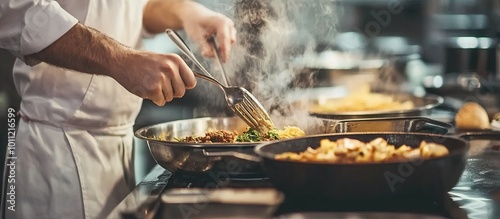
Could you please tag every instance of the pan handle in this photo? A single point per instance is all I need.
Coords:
(423, 123)
(397, 124)
(480, 135)
(239, 155)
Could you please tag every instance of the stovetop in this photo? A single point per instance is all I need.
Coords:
(477, 195)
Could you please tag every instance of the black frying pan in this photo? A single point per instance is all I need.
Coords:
(426, 179)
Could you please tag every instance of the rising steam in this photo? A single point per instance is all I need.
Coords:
(271, 33)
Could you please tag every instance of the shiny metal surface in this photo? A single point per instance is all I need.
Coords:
(221, 203)
(478, 191)
(241, 101)
(218, 58)
(189, 157)
(143, 201)
(423, 106)
(391, 124)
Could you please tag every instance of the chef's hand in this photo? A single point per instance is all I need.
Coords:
(158, 77)
(200, 23)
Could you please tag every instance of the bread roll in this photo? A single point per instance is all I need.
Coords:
(472, 116)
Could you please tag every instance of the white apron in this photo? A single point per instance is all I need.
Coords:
(74, 146)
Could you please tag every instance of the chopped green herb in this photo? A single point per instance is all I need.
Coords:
(272, 135)
(250, 135)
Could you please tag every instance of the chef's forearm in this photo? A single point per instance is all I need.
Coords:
(162, 14)
(86, 50)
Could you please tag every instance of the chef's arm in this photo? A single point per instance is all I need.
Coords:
(85, 50)
(41, 30)
(198, 21)
(159, 77)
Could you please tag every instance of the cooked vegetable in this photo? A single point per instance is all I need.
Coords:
(252, 135)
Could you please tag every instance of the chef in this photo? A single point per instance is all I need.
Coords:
(82, 78)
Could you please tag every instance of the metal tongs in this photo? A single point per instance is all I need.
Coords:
(241, 101)
(212, 41)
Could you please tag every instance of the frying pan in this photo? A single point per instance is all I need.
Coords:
(429, 178)
(188, 159)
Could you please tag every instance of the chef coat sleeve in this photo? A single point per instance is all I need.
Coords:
(29, 26)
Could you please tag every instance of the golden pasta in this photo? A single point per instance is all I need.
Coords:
(362, 101)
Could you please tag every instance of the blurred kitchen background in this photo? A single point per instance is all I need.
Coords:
(444, 47)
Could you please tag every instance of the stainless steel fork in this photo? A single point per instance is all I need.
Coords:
(241, 101)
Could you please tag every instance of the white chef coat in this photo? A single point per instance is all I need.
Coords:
(74, 147)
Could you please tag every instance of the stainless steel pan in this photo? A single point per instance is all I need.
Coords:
(188, 158)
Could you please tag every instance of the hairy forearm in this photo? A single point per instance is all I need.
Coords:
(159, 77)
(162, 14)
(86, 50)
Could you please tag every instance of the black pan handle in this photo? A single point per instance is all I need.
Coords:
(239, 155)
(422, 123)
(403, 124)
(480, 135)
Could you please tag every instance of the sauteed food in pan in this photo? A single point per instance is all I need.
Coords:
(211, 136)
(346, 150)
(250, 135)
